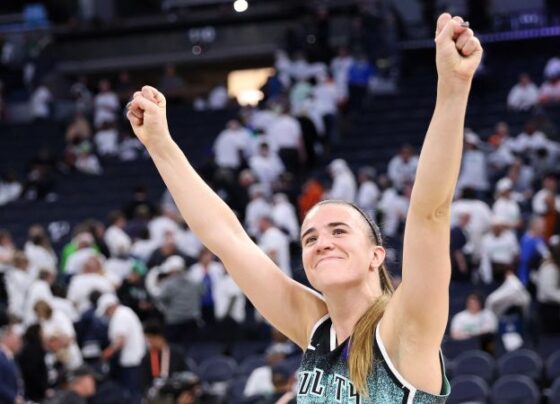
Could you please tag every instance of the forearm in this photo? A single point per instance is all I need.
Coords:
(206, 214)
(440, 159)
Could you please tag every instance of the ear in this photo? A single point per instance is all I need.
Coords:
(378, 257)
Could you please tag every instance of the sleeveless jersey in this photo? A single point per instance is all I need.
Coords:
(323, 376)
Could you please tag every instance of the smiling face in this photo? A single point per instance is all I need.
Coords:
(338, 250)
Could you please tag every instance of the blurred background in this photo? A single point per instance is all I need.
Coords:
(278, 104)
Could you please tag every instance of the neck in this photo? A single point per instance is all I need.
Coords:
(346, 309)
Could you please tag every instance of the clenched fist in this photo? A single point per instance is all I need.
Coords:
(147, 115)
(458, 51)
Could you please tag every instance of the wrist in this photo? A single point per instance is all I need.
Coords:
(455, 88)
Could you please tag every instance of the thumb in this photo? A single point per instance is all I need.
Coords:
(144, 104)
(442, 21)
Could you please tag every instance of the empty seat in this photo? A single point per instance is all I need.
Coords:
(217, 369)
(477, 362)
(515, 389)
(468, 388)
(521, 362)
(251, 363)
(552, 368)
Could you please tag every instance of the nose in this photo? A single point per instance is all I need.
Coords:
(323, 243)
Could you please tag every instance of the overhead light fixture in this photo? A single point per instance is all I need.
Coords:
(240, 5)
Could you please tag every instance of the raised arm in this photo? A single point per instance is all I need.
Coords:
(419, 309)
(289, 306)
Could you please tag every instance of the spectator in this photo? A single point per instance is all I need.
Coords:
(368, 191)
(80, 385)
(86, 161)
(499, 252)
(78, 129)
(548, 289)
(260, 381)
(115, 236)
(505, 207)
(82, 96)
(206, 273)
(552, 68)
(167, 249)
(343, 184)
(32, 363)
(180, 300)
(473, 169)
(267, 166)
(232, 147)
(38, 249)
(11, 386)
(40, 289)
(40, 101)
(275, 244)
(475, 322)
(218, 97)
(91, 278)
(402, 167)
(10, 188)
(126, 341)
(139, 198)
(312, 192)
(530, 140)
(162, 360)
(549, 93)
(124, 87)
(18, 280)
(460, 261)
(359, 75)
(285, 137)
(256, 208)
(107, 139)
(510, 294)
(394, 207)
(284, 216)
(106, 104)
(532, 250)
(187, 242)
(524, 95)
(340, 66)
(133, 292)
(480, 219)
(7, 247)
(55, 324)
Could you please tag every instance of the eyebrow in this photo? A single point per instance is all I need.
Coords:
(331, 225)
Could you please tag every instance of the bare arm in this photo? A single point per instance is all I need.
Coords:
(419, 309)
(289, 306)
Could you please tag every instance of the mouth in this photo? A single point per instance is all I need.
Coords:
(325, 259)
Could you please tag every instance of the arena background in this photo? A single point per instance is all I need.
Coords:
(69, 163)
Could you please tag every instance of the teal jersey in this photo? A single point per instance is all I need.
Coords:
(323, 376)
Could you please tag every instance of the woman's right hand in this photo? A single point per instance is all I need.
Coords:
(147, 115)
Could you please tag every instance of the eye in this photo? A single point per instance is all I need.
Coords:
(309, 240)
(338, 231)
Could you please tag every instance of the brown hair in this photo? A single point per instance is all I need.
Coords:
(361, 348)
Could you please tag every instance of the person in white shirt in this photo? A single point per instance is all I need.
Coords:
(40, 289)
(506, 207)
(531, 140)
(107, 139)
(394, 208)
(402, 167)
(473, 168)
(548, 289)
(40, 102)
(18, 280)
(275, 244)
(552, 68)
(549, 93)
(546, 199)
(106, 104)
(266, 165)
(511, 293)
(499, 251)
(284, 216)
(474, 321)
(187, 242)
(340, 65)
(256, 208)
(56, 325)
(260, 379)
(368, 191)
(91, 278)
(163, 226)
(218, 97)
(285, 137)
(344, 183)
(115, 237)
(232, 145)
(480, 219)
(38, 249)
(127, 340)
(524, 95)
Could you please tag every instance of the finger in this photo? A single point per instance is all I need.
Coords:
(133, 119)
(472, 45)
(448, 31)
(442, 21)
(463, 38)
(137, 113)
(153, 95)
(143, 104)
